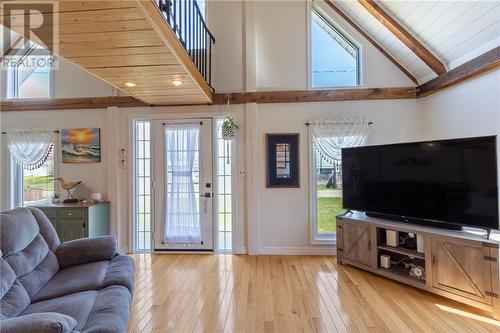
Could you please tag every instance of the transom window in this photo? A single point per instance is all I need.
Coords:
(335, 60)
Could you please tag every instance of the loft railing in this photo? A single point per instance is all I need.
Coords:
(186, 20)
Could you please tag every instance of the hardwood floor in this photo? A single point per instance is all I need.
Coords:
(229, 293)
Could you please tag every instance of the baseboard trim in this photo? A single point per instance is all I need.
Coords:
(297, 251)
(240, 250)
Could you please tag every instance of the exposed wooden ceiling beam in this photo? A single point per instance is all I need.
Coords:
(346, 18)
(68, 103)
(404, 36)
(485, 62)
(11, 48)
(329, 95)
(293, 96)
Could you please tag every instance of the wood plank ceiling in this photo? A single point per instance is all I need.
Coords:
(126, 42)
(453, 31)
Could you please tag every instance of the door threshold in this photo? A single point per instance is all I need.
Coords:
(207, 251)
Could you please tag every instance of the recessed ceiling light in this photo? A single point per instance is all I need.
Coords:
(177, 83)
(130, 84)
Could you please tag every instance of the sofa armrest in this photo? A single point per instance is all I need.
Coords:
(86, 250)
(44, 322)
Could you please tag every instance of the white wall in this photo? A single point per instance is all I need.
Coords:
(471, 108)
(71, 81)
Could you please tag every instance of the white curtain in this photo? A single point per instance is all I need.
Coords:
(182, 219)
(30, 149)
(330, 136)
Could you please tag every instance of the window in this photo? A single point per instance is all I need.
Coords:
(224, 200)
(335, 60)
(327, 138)
(327, 196)
(38, 184)
(142, 177)
(30, 74)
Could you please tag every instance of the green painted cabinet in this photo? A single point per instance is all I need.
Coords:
(73, 221)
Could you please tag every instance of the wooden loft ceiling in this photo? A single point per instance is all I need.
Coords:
(125, 42)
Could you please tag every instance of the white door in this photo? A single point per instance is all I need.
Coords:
(183, 185)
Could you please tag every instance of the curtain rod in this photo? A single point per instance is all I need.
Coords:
(56, 131)
(369, 123)
(186, 123)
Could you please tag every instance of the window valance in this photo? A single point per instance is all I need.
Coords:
(30, 148)
(331, 135)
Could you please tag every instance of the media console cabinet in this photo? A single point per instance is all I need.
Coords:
(459, 265)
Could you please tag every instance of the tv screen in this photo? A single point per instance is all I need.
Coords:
(450, 181)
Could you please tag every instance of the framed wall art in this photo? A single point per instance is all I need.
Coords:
(282, 160)
(81, 145)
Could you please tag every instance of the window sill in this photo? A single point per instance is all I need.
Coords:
(324, 241)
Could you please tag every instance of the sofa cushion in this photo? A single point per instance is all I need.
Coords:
(77, 306)
(46, 229)
(14, 301)
(85, 250)
(14, 298)
(45, 322)
(121, 271)
(25, 249)
(17, 230)
(7, 278)
(74, 279)
(110, 311)
(93, 276)
(100, 311)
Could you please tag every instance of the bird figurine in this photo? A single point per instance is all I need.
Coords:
(68, 186)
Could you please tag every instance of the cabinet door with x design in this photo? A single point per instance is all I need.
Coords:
(356, 243)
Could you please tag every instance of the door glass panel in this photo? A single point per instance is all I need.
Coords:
(182, 158)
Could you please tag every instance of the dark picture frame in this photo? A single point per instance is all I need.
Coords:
(282, 160)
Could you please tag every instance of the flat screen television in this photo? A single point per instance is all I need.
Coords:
(447, 183)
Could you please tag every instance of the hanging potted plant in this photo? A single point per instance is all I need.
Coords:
(229, 126)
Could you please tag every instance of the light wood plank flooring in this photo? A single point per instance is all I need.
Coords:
(229, 293)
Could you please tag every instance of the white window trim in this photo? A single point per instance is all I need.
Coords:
(314, 237)
(317, 6)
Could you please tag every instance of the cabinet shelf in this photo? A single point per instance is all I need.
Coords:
(402, 250)
(401, 273)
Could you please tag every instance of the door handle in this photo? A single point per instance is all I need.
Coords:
(206, 195)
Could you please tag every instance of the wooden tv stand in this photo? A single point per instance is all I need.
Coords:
(459, 265)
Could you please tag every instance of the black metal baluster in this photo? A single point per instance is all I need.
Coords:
(197, 39)
(204, 40)
(191, 28)
(185, 21)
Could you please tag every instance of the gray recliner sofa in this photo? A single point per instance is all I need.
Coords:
(83, 285)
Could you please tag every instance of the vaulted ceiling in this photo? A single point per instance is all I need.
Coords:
(453, 31)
